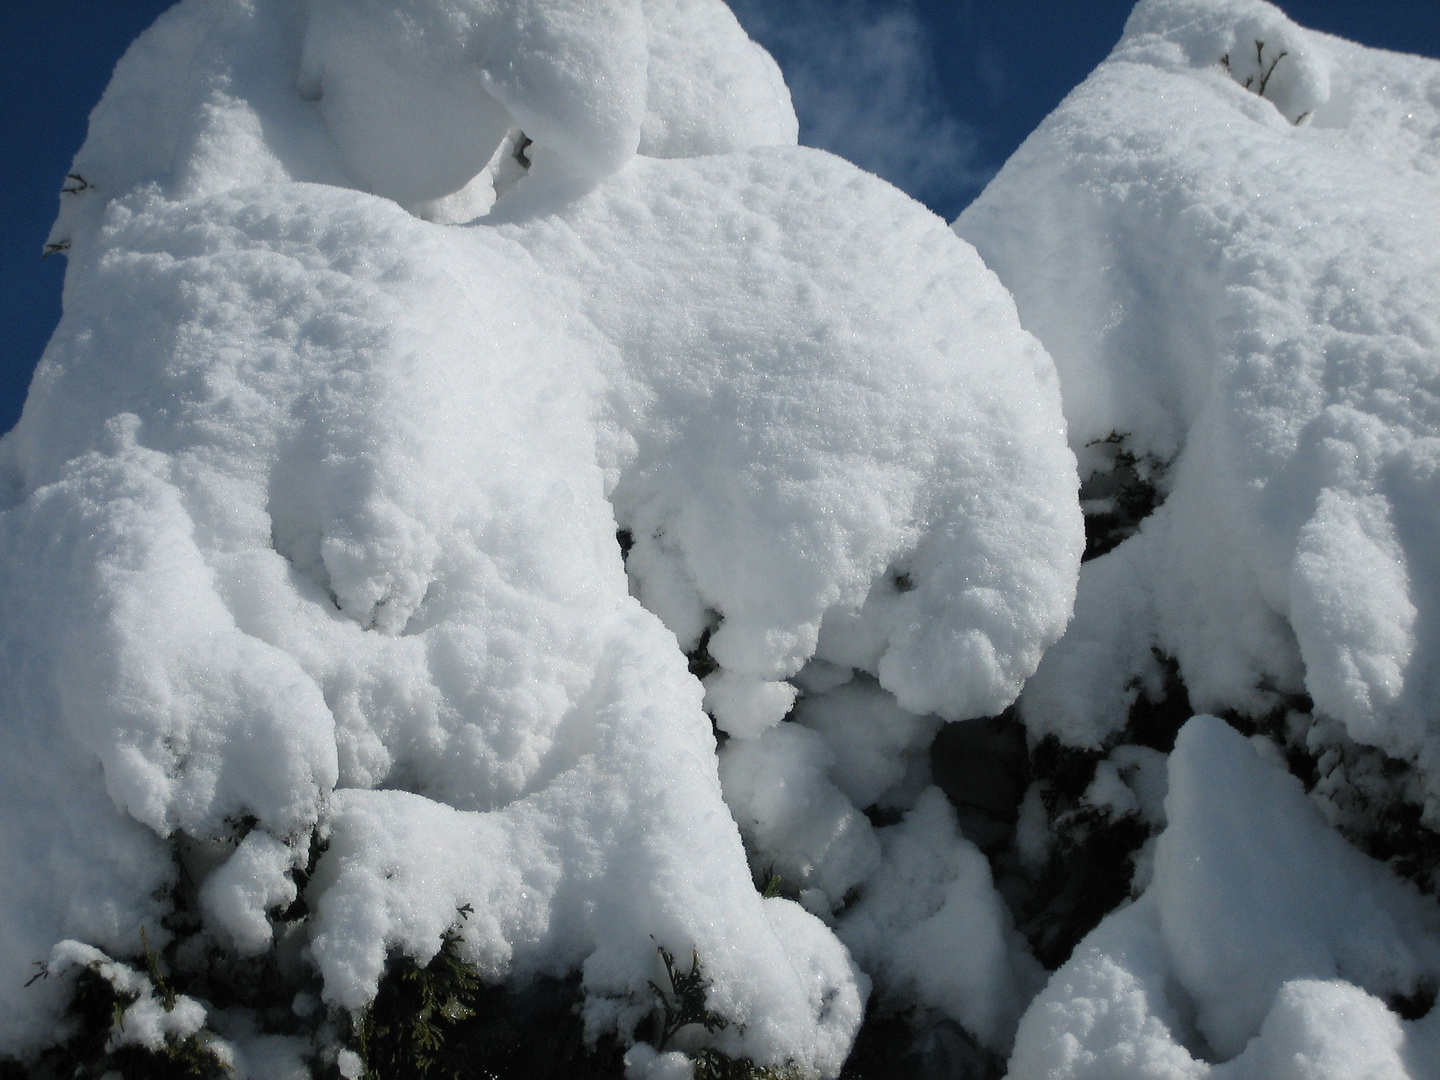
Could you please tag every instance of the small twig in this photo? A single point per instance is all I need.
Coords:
(152, 968)
(1264, 73)
(685, 1003)
(1265, 79)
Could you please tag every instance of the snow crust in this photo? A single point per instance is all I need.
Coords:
(1264, 942)
(1243, 285)
(315, 505)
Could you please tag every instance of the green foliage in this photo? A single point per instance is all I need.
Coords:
(442, 1022)
(96, 1011)
(772, 886)
(1116, 500)
(163, 989)
(410, 1029)
(713, 1065)
(685, 1002)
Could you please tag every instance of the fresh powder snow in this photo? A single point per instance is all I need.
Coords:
(494, 501)
(1241, 284)
(394, 327)
(1228, 238)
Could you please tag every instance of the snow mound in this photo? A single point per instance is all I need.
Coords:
(319, 507)
(935, 932)
(711, 89)
(1227, 239)
(1264, 942)
(423, 101)
(766, 308)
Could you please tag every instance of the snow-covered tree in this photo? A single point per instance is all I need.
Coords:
(509, 555)
(1227, 239)
(435, 377)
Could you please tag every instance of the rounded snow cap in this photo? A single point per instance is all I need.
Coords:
(419, 94)
(1256, 44)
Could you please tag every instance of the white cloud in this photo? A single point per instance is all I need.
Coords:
(862, 73)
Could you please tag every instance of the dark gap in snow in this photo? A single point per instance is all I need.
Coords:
(1118, 495)
(240, 826)
(1064, 772)
(1155, 723)
(909, 1045)
(441, 1020)
(702, 664)
(699, 658)
(299, 908)
(982, 766)
(523, 143)
(626, 539)
(1092, 857)
(1087, 876)
(1416, 1005)
(883, 816)
(1375, 801)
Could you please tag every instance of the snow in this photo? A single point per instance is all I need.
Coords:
(934, 931)
(711, 90)
(872, 739)
(1264, 942)
(642, 1062)
(317, 492)
(145, 1020)
(1243, 285)
(799, 823)
(830, 305)
(491, 490)
(418, 95)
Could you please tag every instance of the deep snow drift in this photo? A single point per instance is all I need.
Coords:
(492, 495)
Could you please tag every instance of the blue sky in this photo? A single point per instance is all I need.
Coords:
(933, 95)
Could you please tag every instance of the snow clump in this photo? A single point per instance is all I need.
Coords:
(1264, 942)
(382, 320)
(1238, 275)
